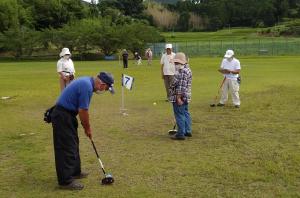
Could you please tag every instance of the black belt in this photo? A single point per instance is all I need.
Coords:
(73, 113)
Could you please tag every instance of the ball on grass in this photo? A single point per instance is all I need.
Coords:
(154, 103)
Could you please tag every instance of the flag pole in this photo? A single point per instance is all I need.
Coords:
(122, 110)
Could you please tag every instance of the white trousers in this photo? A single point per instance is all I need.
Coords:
(233, 87)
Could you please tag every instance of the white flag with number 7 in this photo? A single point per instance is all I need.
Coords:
(127, 81)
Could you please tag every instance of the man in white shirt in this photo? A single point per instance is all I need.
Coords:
(65, 68)
(167, 68)
(230, 68)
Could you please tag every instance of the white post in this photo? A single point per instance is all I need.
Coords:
(122, 104)
(122, 109)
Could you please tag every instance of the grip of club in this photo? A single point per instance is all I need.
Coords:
(95, 148)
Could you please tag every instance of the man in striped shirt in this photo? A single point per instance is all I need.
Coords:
(180, 96)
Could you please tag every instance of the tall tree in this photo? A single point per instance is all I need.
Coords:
(13, 15)
(56, 13)
(133, 8)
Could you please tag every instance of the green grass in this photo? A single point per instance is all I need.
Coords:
(248, 152)
(236, 34)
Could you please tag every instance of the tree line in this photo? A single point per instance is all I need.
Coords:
(236, 13)
(28, 26)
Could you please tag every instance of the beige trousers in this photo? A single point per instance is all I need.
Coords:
(63, 83)
(168, 79)
(233, 87)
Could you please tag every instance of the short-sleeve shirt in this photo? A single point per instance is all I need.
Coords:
(65, 66)
(168, 68)
(125, 55)
(231, 65)
(77, 95)
(149, 54)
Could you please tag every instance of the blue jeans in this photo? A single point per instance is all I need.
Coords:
(183, 119)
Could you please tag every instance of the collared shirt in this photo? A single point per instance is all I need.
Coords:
(65, 66)
(182, 84)
(77, 95)
(168, 68)
(231, 65)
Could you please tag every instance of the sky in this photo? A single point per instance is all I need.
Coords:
(90, 1)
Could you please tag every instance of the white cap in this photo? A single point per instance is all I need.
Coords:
(229, 54)
(169, 45)
(64, 51)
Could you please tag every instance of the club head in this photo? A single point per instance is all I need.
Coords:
(172, 132)
(212, 105)
(108, 179)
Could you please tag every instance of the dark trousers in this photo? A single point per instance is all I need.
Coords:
(125, 63)
(66, 145)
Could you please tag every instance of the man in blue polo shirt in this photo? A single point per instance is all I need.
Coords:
(75, 99)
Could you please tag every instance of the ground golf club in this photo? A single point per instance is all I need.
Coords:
(108, 179)
(216, 97)
(173, 131)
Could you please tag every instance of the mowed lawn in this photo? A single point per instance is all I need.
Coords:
(228, 34)
(253, 151)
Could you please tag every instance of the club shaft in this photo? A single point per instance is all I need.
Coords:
(221, 85)
(101, 164)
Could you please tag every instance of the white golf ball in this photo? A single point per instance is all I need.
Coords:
(154, 103)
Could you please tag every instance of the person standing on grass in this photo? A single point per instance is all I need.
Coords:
(230, 68)
(180, 96)
(149, 55)
(137, 58)
(125, 58)
(74, 99)
(65, 68)
(167, 68)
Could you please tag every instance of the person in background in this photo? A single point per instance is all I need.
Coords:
(230, 68)
(167, 68)
(65, 68)
(149, 55)
(125, 58)
(74, 99)
(137, 58)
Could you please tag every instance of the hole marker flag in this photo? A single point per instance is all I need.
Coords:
(127, 81)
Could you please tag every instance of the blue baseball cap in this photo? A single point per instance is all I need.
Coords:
(108, 79)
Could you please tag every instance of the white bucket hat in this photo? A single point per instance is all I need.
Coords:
(229, 54)
(169, 45)
(179, 58)
(64, 51)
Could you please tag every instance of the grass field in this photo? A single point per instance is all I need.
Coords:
(227, 34)
(244, 41)
(248, 152)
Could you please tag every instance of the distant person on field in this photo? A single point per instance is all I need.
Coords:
(230, 68)
(149, 55)
(137, 58)
(65, 68)
(125, 58)
(180, 96)
(74, 100)
(167, 68)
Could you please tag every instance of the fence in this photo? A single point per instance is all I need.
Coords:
(268, 47)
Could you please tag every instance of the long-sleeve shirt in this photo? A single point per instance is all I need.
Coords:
(182, 85)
